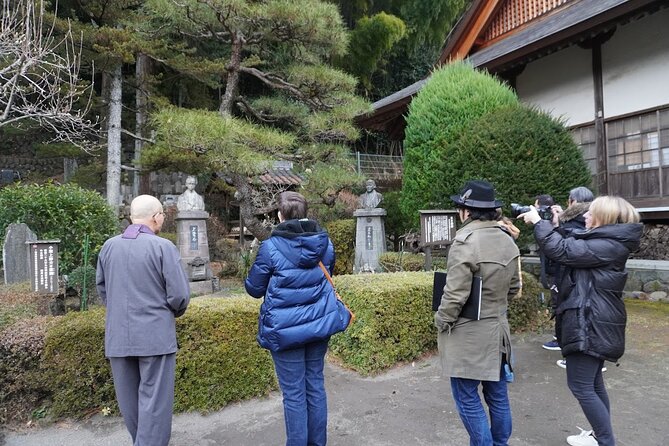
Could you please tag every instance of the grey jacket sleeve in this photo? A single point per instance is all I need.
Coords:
(176, 282)
(100, 279)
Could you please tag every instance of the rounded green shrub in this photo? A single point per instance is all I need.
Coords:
(527, 312)
(394, 319)
(524, 152)
(342, 234)
(78, 374)
(454, 97)
(22, 384)
(219, 360)
(67, 213)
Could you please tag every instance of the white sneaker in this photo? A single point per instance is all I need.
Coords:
(563, 363)
(585, 438)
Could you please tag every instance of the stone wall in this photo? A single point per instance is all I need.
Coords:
(27, 165)
(654, 243)
(646, 280)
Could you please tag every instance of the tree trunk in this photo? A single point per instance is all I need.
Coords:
(246, 208)
(141, 100)
(114, 139)
(232, 81)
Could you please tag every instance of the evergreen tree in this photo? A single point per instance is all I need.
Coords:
(279, 97)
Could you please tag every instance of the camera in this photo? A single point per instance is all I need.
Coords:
(545, 212)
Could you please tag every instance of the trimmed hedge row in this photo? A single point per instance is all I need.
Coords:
(219, 361)
(394, 318)
(59, 362)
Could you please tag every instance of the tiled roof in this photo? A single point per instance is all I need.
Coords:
(281, 176)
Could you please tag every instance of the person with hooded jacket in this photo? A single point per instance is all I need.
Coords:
(298, 315)
(590, 313)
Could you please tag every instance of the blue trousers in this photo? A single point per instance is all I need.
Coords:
(145, 393)
(305, 407)
(473, 416)
(586, 382)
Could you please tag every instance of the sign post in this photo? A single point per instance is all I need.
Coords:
(44, 266)
(437, 227)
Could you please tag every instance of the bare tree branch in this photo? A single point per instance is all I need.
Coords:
(40, 75)
(138, 137)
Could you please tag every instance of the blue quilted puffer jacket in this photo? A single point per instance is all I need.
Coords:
(299, 305)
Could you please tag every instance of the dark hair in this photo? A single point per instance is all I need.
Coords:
(292, 205)
(483, 214)
(545, 200)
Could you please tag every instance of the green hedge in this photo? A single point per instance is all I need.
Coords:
(394, 318)
(66, 212)
(59, 362)
(22, 385)
(342, 234)
(219, 361)
(454, 96)
(393, 262)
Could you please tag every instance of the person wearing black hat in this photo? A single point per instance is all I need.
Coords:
(476, 352)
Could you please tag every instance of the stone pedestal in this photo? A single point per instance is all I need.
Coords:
(370, 239)
(194, 249)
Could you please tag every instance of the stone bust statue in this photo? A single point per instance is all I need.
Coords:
(190, 200)
(371, 198)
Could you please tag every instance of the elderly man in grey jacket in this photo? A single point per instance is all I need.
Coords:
(476, 352)
(141, 282)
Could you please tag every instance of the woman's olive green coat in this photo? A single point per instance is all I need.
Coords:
(469, 348)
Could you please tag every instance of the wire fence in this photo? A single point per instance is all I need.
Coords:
(386, 167)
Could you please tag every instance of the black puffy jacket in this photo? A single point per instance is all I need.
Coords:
(590, 314)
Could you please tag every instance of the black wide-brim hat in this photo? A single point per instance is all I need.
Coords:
(477, 194)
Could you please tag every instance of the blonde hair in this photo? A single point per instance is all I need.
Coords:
(609, 210)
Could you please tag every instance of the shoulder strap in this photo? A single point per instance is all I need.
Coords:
(327, 274)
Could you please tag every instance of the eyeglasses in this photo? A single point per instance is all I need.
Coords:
(158, 213)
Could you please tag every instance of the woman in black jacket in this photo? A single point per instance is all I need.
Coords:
(590, 313)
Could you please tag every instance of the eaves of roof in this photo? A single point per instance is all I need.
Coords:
(539, 37)
(280, 176)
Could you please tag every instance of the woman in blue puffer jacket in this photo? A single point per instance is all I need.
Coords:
(297, 316)
(590, 313)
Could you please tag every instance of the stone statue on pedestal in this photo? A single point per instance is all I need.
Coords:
(370, 236)
(370, 199)
(190, 200)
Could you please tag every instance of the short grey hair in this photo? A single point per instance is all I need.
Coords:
(581, 194)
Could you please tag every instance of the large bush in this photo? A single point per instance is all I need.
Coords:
(219, 360)
(342, 234)
(452, 99)
(524, 152)
(22, 385)
(67, 213)
(394, 318)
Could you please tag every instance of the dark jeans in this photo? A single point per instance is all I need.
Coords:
(473, 415)
(586, 382)
(305, 406)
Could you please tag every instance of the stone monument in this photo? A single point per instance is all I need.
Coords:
(370, 233)
(15, 256)
(191, 220)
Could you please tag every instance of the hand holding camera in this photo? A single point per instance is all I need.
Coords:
(531, 214)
